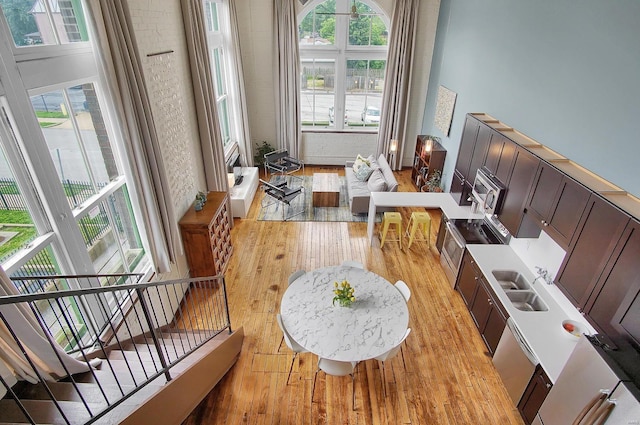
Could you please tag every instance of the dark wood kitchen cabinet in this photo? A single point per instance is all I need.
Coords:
(479, 151)
(620, 275)
(627, 318)
(460, 189)
(206, 236)
(460, 185)
(543, 192)
(556, 203)
(468, 278)
(467, 144)
(481, 305)
(494, 151)
(598, 232)
(534, 395)
(489, 316)
(518, 183)
(499, 156)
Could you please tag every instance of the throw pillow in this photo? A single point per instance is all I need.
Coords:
(359, 162)
(364, 173)
(376, 182)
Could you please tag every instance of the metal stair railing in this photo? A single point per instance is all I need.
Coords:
(156, 325)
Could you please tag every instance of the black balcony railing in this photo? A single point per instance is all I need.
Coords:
(158, 323)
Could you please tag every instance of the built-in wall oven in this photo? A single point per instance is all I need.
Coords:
(460, 232)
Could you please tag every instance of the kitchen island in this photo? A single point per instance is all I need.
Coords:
(431, 200)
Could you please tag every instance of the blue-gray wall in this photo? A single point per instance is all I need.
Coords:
(564, 72)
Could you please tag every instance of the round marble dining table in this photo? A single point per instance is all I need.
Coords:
(372, 325)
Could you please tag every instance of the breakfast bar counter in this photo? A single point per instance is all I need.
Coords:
(440, 200)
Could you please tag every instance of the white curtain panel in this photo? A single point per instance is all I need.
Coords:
(395, 99)
(49, 359)
(204, 96)
(287, 85)
(118, 55)
(245, 135)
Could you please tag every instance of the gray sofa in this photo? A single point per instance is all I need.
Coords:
(359, 192)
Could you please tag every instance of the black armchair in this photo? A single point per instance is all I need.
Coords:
(279, 162)
(282, 194)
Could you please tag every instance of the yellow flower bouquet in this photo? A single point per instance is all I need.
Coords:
(344, 293)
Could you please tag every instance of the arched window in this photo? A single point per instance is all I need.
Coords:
(343, 55)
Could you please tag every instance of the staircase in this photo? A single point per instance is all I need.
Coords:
(156, 377)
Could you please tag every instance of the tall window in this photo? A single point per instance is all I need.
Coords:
(343, 53)
(63, 187)
(220, 51)
(46, 22)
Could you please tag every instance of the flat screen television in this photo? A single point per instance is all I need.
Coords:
(237, 175)
(234, 166)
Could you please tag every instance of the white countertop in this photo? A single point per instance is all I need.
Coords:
(441, 200)
(541, 329)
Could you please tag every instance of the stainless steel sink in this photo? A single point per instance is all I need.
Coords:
(511, 279)
(526, 301)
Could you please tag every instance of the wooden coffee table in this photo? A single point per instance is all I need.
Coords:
(326, 189)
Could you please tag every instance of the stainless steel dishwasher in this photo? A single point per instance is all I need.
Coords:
(514, 360)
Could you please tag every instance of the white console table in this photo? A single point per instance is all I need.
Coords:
(242, 194)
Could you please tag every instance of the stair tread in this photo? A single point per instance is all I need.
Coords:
(43, 411)
(109, 377)
(67, 391)
(171, 353)
(176, 334)
(145, 354)
(175, 339)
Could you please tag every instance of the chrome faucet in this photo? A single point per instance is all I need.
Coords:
(544, 274)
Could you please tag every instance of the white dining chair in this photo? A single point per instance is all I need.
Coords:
(293, 276)
(404, 289)
(352, 263)
(293, 345)
(390, 354)
(337, 368)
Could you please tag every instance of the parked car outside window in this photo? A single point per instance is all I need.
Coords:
(371, 115)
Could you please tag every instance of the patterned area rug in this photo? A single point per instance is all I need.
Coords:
(302, 204)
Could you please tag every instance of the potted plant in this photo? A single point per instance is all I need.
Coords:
(343, 294)
(261, 149)
(433, 183)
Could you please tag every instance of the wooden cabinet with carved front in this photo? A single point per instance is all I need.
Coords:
(206, 236)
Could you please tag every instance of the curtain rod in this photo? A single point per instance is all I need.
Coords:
(159, 53)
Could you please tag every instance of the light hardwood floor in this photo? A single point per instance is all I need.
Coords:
(443, 374)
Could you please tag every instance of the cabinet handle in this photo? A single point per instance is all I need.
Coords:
(544, 223)
(476, 278)
(548, 385)
(489, 301)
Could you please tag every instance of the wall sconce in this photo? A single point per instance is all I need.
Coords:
(231, 179)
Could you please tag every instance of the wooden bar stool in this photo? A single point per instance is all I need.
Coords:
(420, 222)
(388, 219)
